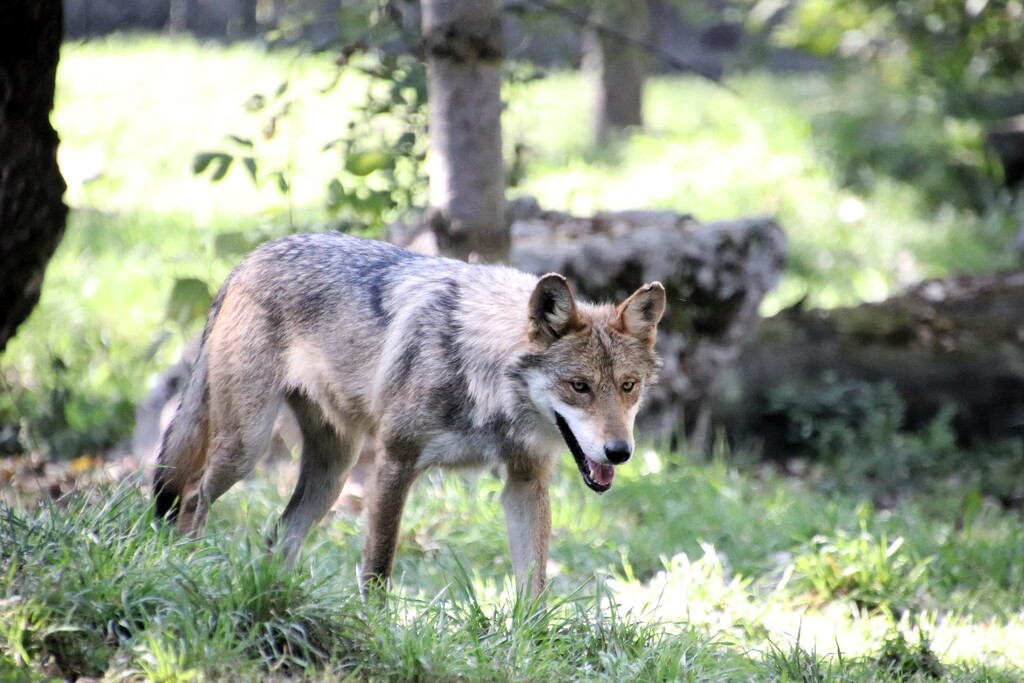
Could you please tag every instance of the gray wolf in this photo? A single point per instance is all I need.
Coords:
(443, 362)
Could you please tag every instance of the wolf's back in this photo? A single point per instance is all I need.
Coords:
(375, 322)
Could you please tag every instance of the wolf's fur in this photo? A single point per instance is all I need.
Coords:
(444, 362)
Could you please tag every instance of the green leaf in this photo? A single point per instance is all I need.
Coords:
(189, 300)
(282, 182)
(223, 164)
(244, 142)
(365, 163)
(202, 160)
(250, 166)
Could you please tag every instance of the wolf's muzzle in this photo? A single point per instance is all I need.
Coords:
(597, 477)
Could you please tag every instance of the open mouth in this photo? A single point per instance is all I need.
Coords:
(596, 476)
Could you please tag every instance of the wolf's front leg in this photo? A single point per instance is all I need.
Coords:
(528, 518)
(392, 479)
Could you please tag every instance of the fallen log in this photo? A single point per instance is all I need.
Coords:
(955, 343)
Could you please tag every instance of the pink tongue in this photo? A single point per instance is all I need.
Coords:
(601, 474)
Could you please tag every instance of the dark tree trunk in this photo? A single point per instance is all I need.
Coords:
(32, 210)
(464, 50)
(1006, 138)
(247, 20)
(956, 342)
(617, 69)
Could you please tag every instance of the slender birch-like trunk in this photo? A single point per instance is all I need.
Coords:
(463, 51)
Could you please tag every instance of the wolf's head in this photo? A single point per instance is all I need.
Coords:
(589, 368)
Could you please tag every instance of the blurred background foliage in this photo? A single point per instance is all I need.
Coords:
(957, 64)
(955, 47)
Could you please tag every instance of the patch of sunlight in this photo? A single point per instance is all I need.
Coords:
(119, 158)
(994, 643)
(701, 591)
(704, 592)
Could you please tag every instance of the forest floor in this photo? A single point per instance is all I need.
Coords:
(719, 571)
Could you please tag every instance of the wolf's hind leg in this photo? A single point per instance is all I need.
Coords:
(327, 457)
(240, 435)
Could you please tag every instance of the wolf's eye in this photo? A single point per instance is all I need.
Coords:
(579, 386)
(628, 385)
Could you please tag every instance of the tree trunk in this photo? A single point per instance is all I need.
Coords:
(617, 68)
(463, 50)
(32, 210)
(956, 342)
(1006, 138)
(245, 23)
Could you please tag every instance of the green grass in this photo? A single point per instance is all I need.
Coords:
(691, 572)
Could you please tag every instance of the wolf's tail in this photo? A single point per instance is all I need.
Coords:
(184, 446)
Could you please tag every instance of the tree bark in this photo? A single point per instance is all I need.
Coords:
(955, 342)
(32, 209)
(617, 69)
(463, 50)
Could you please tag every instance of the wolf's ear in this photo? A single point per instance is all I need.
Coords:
(638, 315)
(552, 309)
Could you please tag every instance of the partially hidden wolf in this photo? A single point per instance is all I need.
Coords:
(443, 362)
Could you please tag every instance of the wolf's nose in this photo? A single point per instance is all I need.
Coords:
(617, 451)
